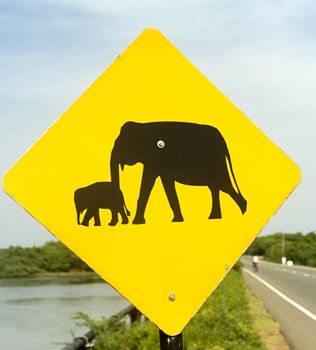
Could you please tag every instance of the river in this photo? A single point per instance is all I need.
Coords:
(35, 313)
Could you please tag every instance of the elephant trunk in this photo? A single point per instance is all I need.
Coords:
(78, 216)
(114, 165)
(78, 205)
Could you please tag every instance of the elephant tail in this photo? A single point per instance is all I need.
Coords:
(124, 205)
(128, 213)
(240, 200)
(231, 170)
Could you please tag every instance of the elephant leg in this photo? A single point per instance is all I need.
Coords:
(114, 219)
(97, 221)
(88, 215)
(216, 207)
(124, 216)
(171, 193)
(148, 181)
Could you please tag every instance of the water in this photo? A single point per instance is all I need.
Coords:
(35, 312)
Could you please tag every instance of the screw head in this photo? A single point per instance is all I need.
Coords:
(160, 144)
(172, 297)
(227, 268)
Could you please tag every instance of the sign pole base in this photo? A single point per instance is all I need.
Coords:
(169, 342)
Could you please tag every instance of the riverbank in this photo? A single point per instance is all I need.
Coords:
(46, 279)
(69, 274)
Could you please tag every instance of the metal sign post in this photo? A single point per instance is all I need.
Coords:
(170, 342)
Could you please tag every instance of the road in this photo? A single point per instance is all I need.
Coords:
(289, 294)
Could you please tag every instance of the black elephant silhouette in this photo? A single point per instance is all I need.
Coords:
(100, 195)
(188, 153)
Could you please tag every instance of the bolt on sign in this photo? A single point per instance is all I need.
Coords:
(155, 179)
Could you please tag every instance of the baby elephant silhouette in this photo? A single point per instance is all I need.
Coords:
(100, 195)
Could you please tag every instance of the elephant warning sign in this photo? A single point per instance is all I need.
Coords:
(155, 179)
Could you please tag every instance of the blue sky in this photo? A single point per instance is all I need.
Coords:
(261, 54)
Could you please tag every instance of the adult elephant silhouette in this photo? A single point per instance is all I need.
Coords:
(188, 153)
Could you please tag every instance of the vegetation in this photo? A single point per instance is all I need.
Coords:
(222, 323)
(263, 323)
(52, 257)
(297, 247)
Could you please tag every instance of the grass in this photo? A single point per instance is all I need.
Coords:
(265, 326)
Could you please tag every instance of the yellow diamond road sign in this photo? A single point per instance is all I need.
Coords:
(154, 138)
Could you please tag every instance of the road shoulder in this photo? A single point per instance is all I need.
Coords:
(263, 323)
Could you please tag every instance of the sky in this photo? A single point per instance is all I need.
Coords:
(260, 54)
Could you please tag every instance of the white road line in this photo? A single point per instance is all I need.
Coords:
(283, 296)
(305, 274)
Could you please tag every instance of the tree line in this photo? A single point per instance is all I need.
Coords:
(301, 248)
(52, 257)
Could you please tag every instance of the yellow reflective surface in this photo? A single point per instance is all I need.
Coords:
(150, 82)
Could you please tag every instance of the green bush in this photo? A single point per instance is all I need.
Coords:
(222, 323)
(114, 334)
(51, 257)
(294, 246)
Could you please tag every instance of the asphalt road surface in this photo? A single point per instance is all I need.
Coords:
(289, 294)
